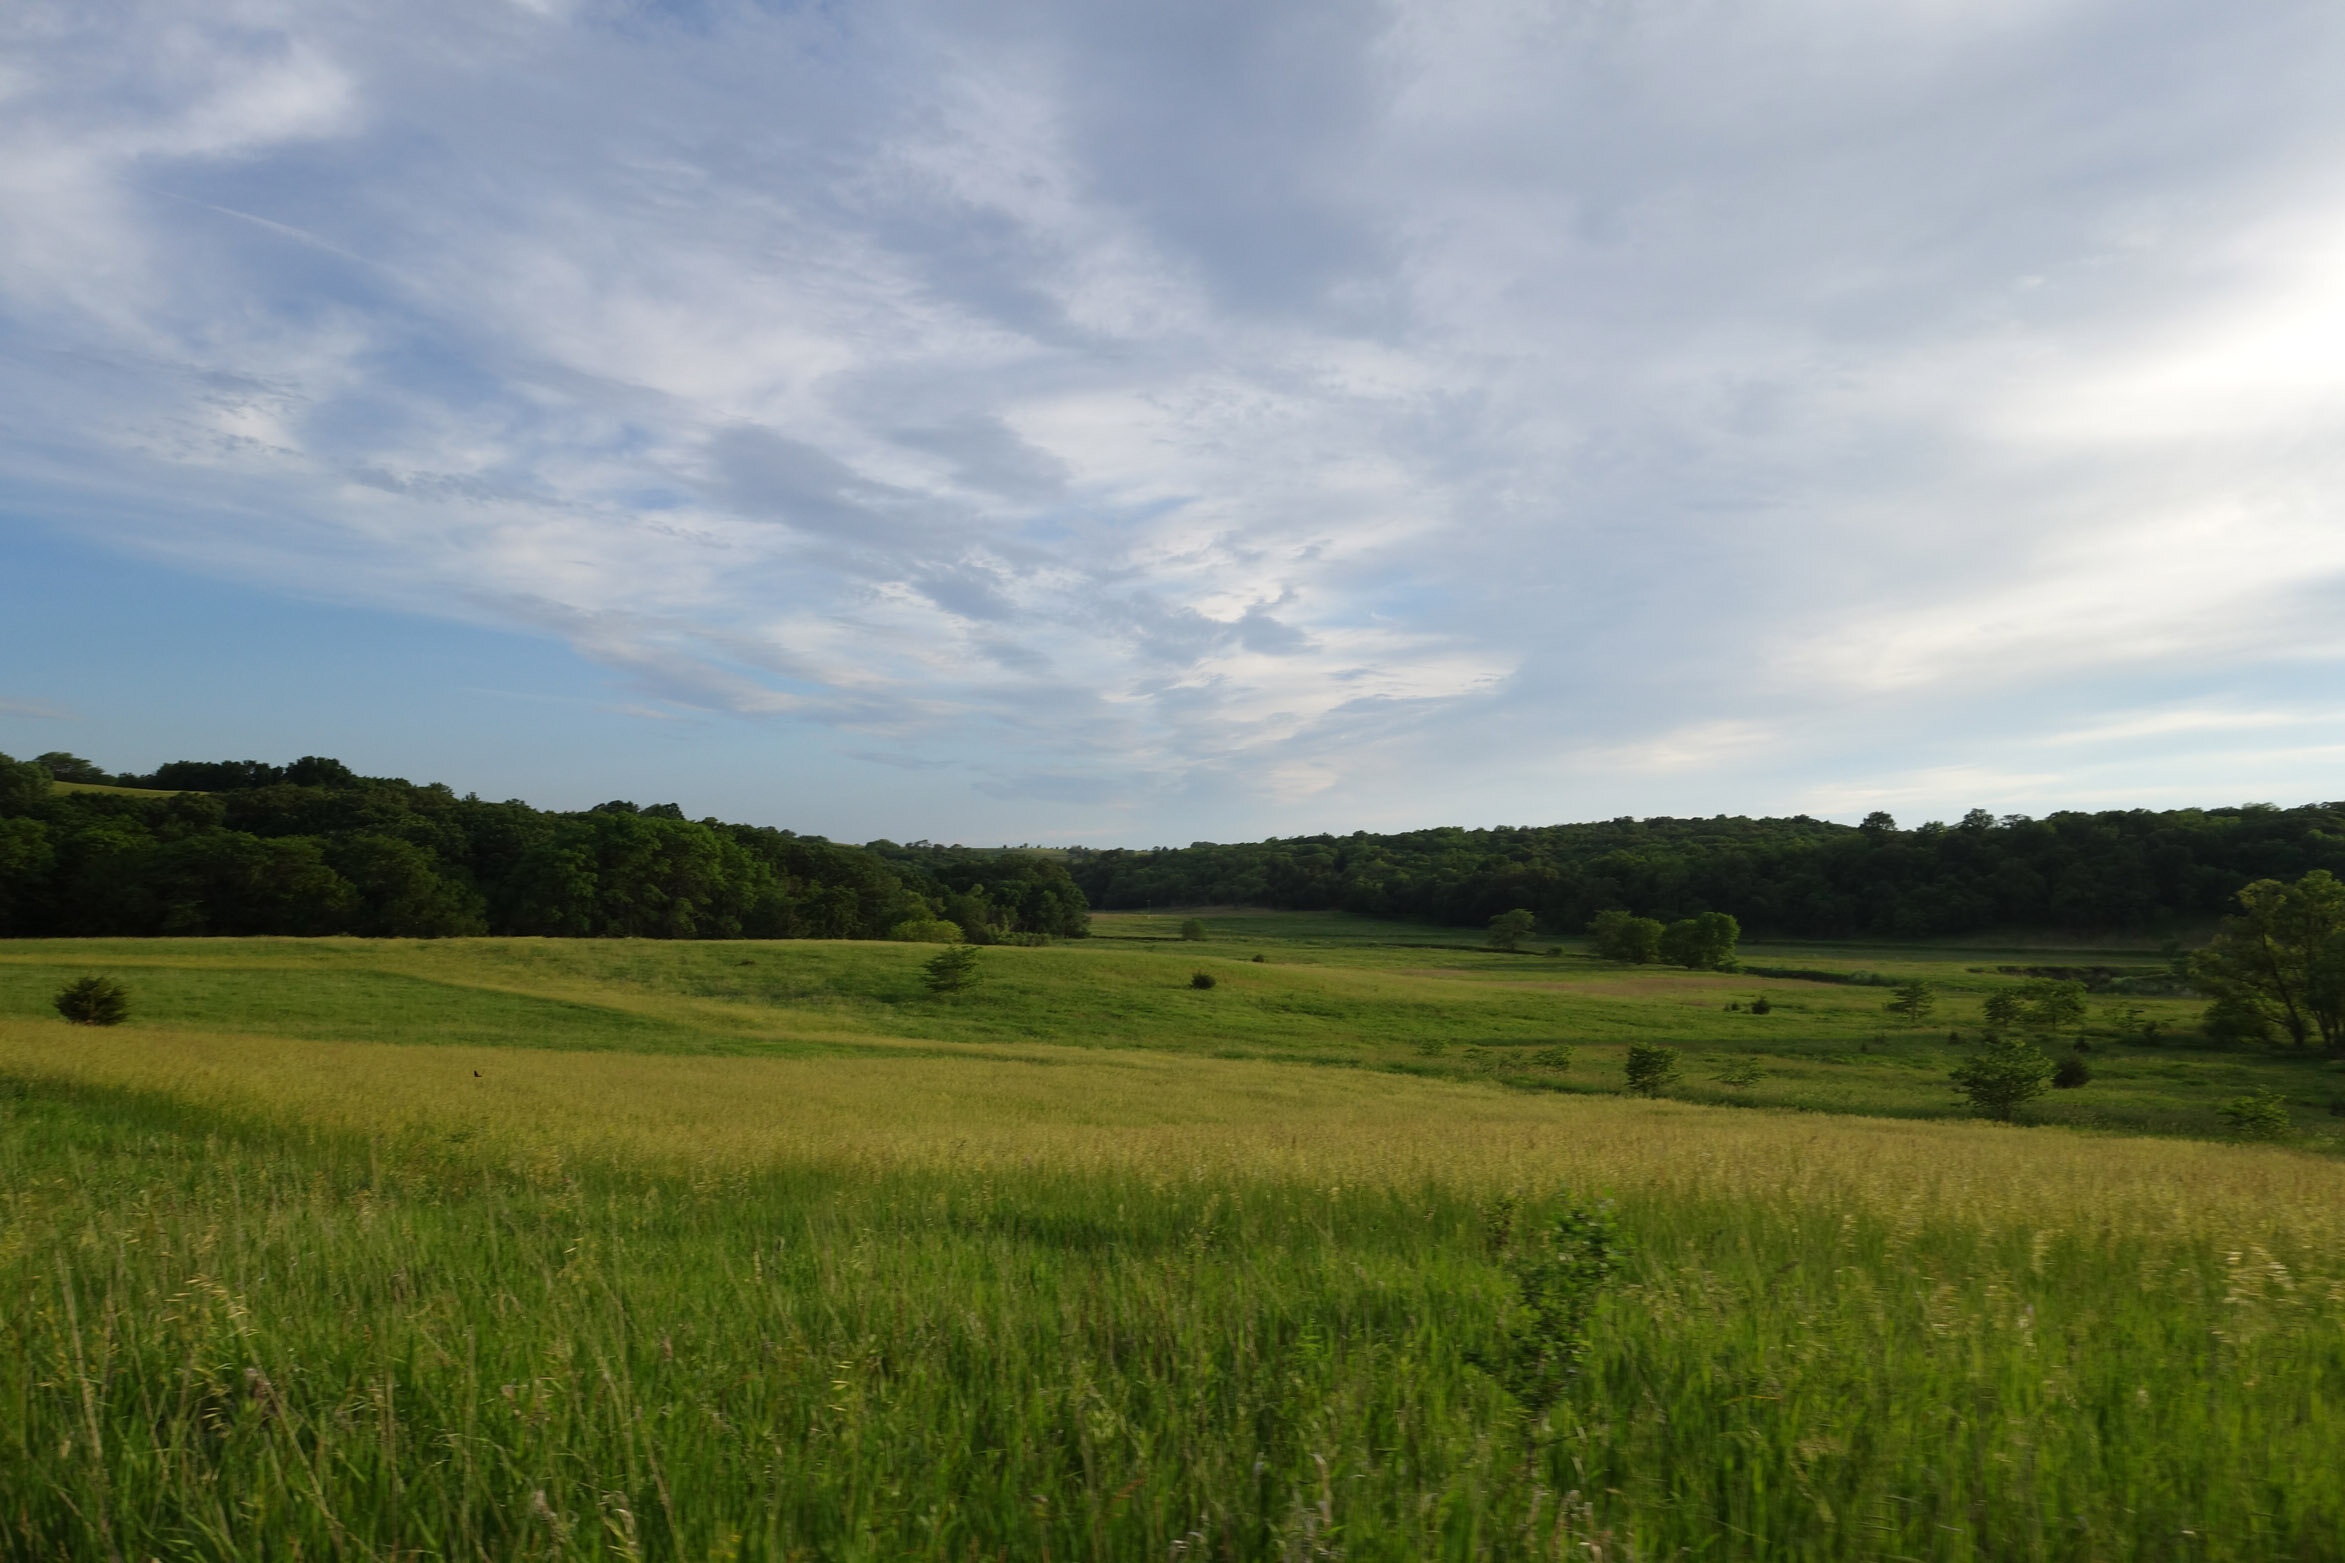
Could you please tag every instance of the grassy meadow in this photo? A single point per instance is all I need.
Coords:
(517, 1248)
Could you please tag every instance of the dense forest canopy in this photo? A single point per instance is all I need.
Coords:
(2134, 870)
(311, 848)
(246, 847)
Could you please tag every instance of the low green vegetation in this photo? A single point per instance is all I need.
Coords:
(1319, 1236)
(1317, 989)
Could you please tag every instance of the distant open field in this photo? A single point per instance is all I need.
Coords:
(1330, 990)
(517, 1248)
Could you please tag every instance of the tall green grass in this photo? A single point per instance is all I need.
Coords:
(233, 1336)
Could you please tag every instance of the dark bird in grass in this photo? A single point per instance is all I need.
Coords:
(476, 1074)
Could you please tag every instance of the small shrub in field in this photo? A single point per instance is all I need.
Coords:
(1257, 960)
(1652, 1069)
(2261, 1115)
(1193, 931)
(951, 969)
(1760, 1006)
(1743, 1071)
(2006, 1074)
(1200, 979)
(2073, 1072)
(1914, 1001)
(1552, 1058)
(1559, 1275)
(94, 1001)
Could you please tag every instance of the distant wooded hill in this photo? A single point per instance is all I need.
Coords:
(243, 847)
(2131, 871)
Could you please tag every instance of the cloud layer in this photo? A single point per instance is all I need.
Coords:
(1245, 414)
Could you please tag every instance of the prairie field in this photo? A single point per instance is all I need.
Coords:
(519, 1248)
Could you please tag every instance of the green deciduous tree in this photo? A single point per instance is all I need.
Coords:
(1622, 936)
(1193, 930)
(1508, 930)
(2282, 957)
(2006, 1075)
(1702, 942)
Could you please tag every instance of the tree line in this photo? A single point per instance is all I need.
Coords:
(313, 848)
(2129, 870)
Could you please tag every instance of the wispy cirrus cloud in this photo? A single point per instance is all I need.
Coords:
(1232, 411)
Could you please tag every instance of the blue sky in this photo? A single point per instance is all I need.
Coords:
(1134, 424)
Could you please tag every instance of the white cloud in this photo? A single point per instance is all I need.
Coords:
(1253, 406)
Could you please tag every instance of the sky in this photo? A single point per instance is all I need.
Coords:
(1134, 424)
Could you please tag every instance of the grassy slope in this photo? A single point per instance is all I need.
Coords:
(1331, 990)
(949, 1278)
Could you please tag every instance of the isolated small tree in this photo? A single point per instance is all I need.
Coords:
(1760, 1006)
(951, 969)
(1193, 931)
(2261, 1115)
(1621, 936)
(1201, 979)
(1508, 930)
(94, 1001)
(1652, 1069)
(2055, 1006)
(2004, 1076)
(2071, 1073)
(1702, 942)
(1914, 1001)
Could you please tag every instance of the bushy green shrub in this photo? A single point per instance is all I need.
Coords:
(951, 969)
(1559, 1276)
(1620, 936)
(2006, 1074)
(2260, 1115)
(1193, 931)
(2071, 1073)
(1557, 1057)
(94, 1001)
(1201, 979)
(1652, 1069)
